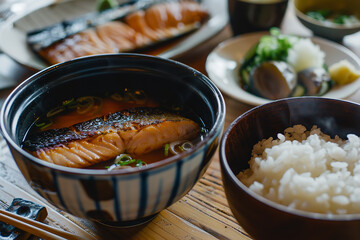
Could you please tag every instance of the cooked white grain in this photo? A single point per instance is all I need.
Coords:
(307, 170)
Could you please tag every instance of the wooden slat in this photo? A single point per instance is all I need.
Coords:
(204, 218)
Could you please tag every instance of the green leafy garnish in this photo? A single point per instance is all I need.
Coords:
(341, 19)
(332, 17)
(105, 4)
(319, 15)
(273, 47)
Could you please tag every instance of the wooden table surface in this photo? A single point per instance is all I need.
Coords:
(202, 214)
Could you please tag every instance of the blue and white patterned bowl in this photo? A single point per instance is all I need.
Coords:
(124, 197)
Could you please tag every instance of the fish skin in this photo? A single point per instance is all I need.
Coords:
(137, 130)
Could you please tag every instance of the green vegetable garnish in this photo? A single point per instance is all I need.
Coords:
(106, 4)
(320, 15)
(55, 111)
(69, 103)
(43, 123)
(331, 16)
(166, 149)
(124, 159)
(273, 47)
(140, 163)
(341, 19)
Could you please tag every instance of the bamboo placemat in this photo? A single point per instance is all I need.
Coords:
(202, 214)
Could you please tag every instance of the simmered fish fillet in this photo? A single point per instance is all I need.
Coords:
(137, 131)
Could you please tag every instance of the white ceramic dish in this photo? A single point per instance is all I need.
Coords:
(223, 63)
(46, 12)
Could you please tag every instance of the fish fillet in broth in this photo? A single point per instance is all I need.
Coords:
(134, 131)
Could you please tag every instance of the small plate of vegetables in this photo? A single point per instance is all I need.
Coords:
(260, 67)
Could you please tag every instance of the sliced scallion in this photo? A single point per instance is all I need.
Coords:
(140, 163)
(43, 123)
(178, 147)
(124, 159)
(55, 111)
(186, 146)
(166, 149)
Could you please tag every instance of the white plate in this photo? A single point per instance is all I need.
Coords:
(223, 63)
(46, 12)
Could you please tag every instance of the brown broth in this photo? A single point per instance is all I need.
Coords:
(103, 106)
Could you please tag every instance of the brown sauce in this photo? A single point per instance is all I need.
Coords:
(100, 106)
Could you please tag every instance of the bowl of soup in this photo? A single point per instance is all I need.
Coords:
(330, 19)
(114, 138)
(290, 169)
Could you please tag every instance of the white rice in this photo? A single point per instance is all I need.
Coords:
(307, 170)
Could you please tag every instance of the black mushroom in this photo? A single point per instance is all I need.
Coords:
(316, 81)
(273, 80)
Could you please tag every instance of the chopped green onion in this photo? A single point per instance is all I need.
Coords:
(45, 126)
(127, 162)
(186, 146)
(140, 163)
(69, 102)
(85, 104)
(55, 111)
(124, 159)
(180, 145)
(166, 149)
(43, 123)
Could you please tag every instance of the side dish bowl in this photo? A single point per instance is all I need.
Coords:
(124, 197)
(265, 219)
(331, 31)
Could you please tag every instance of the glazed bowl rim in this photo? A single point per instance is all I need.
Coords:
(332, 26)
(219, 118)
(268, 203)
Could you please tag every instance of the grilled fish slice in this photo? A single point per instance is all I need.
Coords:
(119, 36)
(135, 131)
(136, 30)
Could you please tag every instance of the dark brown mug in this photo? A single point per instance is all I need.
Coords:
(255, 15)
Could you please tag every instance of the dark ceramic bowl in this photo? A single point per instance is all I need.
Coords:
(262, 218)
(327, 30)
(124, 197)
(254, 16)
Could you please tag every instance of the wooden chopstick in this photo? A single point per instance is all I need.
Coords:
(36, 228)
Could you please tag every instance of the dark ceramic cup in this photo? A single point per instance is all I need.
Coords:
(124, 197)
(255, 15)
(260, 217)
